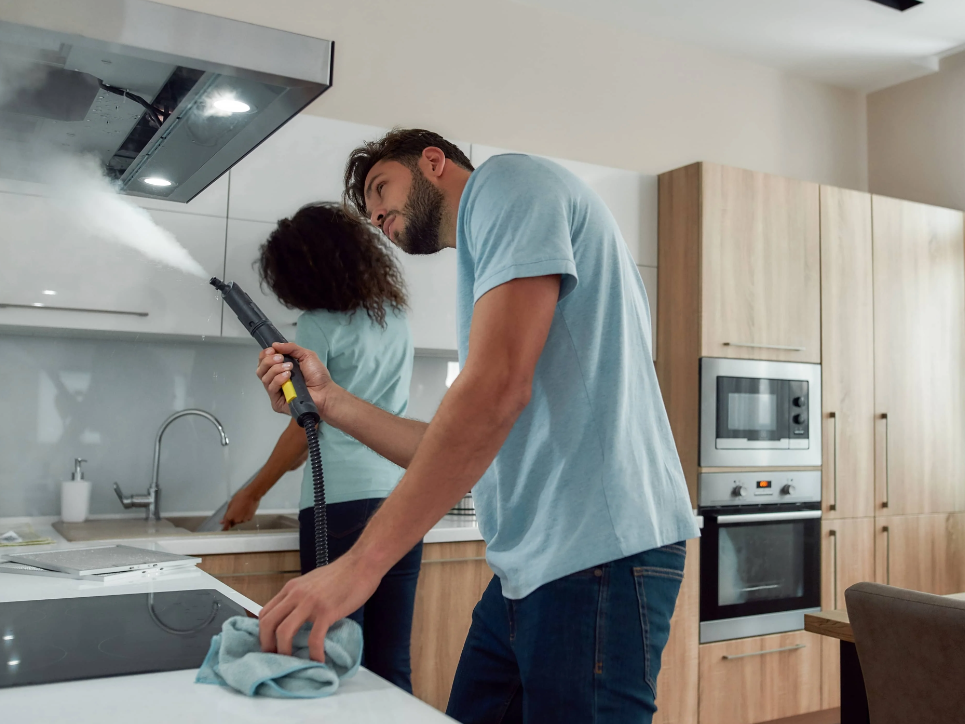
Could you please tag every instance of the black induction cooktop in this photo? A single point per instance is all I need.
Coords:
(86, 638)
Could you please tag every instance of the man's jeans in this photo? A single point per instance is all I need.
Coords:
(584, 648)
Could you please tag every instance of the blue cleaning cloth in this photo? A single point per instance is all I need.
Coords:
(236, 660)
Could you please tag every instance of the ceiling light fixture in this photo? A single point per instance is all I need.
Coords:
(231, 105)
(156, 181)
(49, 292)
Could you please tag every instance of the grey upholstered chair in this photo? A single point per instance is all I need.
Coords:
(911, 647)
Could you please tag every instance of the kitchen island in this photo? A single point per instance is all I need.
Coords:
(173, 696)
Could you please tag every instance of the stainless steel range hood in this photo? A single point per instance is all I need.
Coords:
(155, 92)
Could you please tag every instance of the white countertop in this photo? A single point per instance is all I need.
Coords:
(173, 696)
(450, 529)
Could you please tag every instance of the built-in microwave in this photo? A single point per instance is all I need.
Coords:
(759, 414)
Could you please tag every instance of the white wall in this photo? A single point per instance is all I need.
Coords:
(500, 73)
(916, 138)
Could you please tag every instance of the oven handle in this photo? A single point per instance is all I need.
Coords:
(767, 517)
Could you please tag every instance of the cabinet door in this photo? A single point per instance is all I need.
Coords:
(677, 683)
(430, 282)
(451, 582)
(244, 240)
(760, 678)
(760, 266)
(921, 552)
(630, 196)
(847, 557)
(847, 353)
(100, 284)
(919, 322)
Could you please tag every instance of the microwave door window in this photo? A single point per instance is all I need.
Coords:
(762, 562)
(746, 411)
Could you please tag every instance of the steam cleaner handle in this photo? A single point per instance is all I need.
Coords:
(300, 402)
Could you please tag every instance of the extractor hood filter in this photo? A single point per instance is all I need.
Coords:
(167, 99)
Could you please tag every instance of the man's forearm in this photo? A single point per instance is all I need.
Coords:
(471, 425)
(394, 438)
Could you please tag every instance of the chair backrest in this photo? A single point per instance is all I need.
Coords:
(911, 647)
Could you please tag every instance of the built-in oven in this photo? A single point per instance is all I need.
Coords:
(759, 414)
(760, 552)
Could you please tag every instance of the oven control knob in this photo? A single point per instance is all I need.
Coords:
(800, 418)
(799, 402)
(789, 489)
(739, 491)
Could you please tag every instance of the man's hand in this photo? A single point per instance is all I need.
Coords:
(241, 509)
(322, 596)
(273, 372)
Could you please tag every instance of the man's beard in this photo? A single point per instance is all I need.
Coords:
(423, 213)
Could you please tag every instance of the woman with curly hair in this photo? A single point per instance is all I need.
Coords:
(337, 269)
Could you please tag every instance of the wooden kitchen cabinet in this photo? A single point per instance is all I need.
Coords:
(847, 354)
(847, 557)
(259, 576)
(760, 678)
(921, 552)
(919, 336)
(760, 266)
(451, 582)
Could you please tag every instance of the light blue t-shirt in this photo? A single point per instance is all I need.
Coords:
(589, 472)
(374, 364)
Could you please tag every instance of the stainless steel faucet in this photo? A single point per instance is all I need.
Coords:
(151, 500)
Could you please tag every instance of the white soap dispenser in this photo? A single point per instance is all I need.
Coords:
(75, 495)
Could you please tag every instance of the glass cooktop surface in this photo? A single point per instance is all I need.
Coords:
(45, 641)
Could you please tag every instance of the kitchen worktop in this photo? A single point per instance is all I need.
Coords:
(173, 695)
(450, 529)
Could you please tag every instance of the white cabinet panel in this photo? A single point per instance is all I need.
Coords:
(649, 276)
(213, 201)
(41, 251)
(431, 285)
(244, 239)
(302, 162)
(630, 196)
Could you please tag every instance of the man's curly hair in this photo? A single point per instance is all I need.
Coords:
(325, 257)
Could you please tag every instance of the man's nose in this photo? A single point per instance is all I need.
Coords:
(376, 217)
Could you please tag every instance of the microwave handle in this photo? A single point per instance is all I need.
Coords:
(764, 346)
(767, 517)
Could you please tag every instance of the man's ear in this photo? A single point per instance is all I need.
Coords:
(434, 161)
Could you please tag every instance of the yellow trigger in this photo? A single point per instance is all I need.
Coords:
(289, 389)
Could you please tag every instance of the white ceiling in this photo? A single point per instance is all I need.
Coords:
(849, 43)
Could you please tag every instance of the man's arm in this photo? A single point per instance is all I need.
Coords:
(509, 329)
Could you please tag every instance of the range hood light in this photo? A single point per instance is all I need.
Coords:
(156, 181)
(48, 292)
(231, 105)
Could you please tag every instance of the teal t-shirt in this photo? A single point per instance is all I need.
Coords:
(374, 364)
(589, 472)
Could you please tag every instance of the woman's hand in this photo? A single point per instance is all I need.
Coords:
(273, 372)
(241, 509)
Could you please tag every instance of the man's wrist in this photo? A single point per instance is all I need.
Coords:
(335, 399)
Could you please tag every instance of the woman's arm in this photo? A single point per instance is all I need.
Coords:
(289, 453)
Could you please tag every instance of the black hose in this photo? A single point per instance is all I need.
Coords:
(321, 512)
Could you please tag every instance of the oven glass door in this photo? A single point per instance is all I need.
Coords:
(761, 562)
(751, 409)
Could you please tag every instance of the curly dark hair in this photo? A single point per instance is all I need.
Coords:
(404, 145)
(325, 257)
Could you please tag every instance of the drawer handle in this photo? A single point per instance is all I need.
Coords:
(455, 560)
(728, 657)
(764, 346)
(4, 305)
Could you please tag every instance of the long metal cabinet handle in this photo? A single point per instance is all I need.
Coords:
(795, 647)
(764, 346)
(834, 443)
(884, 503)
(834, 568)
(4, 305)
(887, 531)
(767, 517)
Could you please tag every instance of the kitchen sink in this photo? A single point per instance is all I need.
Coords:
(266, 523)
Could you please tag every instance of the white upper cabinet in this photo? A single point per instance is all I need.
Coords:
(630, 196)
(304, 161)
(50, 262)
(244, 239)
(431, 285)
